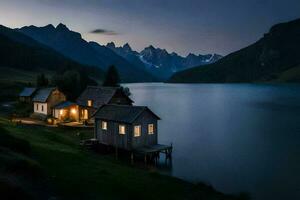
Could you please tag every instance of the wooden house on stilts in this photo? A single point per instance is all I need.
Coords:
(132, 128)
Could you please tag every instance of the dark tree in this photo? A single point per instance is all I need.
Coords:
(112, 78)
(42, 81)
(72, 82)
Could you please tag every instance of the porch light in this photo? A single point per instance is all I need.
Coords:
(73, 111)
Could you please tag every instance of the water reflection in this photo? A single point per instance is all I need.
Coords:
(237, 137)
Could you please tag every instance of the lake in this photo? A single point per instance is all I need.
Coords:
(236, 137)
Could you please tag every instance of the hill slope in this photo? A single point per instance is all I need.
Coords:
(56, 167)
(72, 45)
(266, 60)
(22, 53)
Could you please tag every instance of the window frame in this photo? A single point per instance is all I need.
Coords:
(104, 127)
(121, 126)
(89, 103)
(140, 131)
(151, 132)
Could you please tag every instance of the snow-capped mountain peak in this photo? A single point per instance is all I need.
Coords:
(159, 62)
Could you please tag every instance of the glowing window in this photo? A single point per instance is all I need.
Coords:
(150, 129)
(85, 114)
(122, 129)
(90, 103)
(104, 125)
(137, 131)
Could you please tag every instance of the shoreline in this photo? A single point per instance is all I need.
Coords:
(119, 167)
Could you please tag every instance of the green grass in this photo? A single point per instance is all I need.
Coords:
(10, 75)
(12, 81)
(76, 173)
(9, 91)
(291, 75)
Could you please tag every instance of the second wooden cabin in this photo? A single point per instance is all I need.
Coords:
(126, 127)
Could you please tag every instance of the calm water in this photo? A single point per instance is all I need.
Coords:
(237, 137)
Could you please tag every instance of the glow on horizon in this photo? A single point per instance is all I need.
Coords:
(197, 26)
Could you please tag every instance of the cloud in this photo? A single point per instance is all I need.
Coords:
(104, 32)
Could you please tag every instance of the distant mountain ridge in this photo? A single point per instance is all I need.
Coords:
(21, 52)
(161, 63)
(275, 57)
(150, 65)
(72, 45)
(63, 40)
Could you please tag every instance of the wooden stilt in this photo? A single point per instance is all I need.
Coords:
(116, 153)
(145, 159)
(131, 157)
(153, 153)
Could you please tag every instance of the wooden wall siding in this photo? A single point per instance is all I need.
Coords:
(91, 111)
(96, 131)
(145, 139)
(56, 113)
(55, 98)
(25, 99)
(111, 136)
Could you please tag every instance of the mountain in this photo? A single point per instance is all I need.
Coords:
(275, 57)
(159, 62)
(132, 56)
(72, 45)
(21, 52)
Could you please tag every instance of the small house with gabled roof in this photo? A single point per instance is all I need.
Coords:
(93, 97)
(27, 94)
(126, 127)
(66, 110)
(45, 99)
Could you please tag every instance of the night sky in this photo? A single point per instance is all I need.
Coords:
(183, 26)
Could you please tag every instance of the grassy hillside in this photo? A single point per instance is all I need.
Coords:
(10, 89)
(10, 74)
(290, 75)
(269, 59)
(48, 162)
(21, 177)
(13, 80)
(22, 58)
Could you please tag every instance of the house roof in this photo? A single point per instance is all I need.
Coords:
(27, 92)
(121, 113)
(42, 94)
(64, 104)
(99, 95)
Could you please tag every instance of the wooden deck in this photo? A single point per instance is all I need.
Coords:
(149, 153)
(153, 152)
(154, 148)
